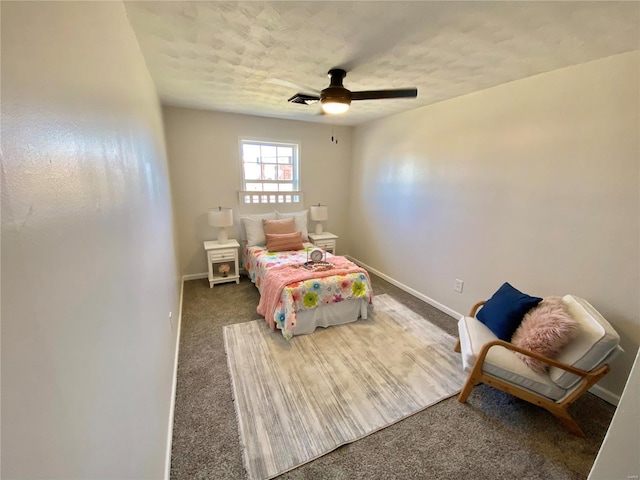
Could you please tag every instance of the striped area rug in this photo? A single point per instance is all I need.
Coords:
(297, 400)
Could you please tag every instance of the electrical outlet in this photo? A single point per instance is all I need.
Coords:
(457, 286)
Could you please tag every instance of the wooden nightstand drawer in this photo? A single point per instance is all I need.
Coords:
(326, 244)
(221, 255)
(325, 241)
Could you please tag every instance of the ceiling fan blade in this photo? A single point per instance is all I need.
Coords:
(377, 94)
(304, 99)
(292, 85)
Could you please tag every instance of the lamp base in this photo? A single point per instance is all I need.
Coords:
(222, 236)
(318, 228)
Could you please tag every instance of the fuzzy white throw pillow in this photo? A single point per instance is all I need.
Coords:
(545, 329)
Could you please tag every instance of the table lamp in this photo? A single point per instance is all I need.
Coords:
(319, 213)
(221, 217)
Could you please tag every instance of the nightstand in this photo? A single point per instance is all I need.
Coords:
(325, 240)
(219, 254)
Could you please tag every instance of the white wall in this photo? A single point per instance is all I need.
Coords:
(89, 270)
(534, 182)
(206, 172)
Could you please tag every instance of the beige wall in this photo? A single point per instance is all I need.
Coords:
(534, 182)
(89, 270)
(206, 172)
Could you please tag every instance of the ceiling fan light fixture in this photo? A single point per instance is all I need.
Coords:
(336, 99)
(335, 106)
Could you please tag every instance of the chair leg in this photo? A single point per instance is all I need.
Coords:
(457, 347)
(466, 389)
(568, 421)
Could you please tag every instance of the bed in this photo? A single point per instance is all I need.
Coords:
(295, 300)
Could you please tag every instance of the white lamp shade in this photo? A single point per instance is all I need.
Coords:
(319, 213)
(221, 217)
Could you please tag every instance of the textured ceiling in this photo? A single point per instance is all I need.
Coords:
(243, 57)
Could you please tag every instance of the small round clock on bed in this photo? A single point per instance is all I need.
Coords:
(316, 260)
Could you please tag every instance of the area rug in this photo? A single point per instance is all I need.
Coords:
(297, 400)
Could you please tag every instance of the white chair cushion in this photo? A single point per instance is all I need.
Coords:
(500, 362)
(591, 348)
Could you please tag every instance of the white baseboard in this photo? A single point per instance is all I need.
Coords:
(194, 276)
(605, 395)
(402, 286)
(172, 407)
(597, 390)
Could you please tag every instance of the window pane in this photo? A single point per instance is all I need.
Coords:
(254, 187)
(270, 187)
(285, 172)
(285, 151)
(285, 154)
(251, 171)
(286, 187)
(269, 152)
(250, 152)
(269, 172)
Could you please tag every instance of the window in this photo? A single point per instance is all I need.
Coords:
(270, 172)
(269, 166)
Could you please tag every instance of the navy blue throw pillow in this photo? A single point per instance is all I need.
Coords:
(503, 312)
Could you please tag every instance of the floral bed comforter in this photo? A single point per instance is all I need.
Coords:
(307, 290)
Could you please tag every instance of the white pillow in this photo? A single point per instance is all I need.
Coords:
(595, 341)
(253, 228)
(301, 222)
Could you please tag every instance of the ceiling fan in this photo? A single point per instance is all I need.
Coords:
(336, 98)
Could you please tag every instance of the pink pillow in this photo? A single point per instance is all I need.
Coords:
(280, 242)
(285, 225)
(545, 329)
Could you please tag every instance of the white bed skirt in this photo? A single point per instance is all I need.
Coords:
(333, 314)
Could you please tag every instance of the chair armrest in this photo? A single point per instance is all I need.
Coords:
(475, 308)
(529, 353)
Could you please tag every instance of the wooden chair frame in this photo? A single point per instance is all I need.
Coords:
(558, 409)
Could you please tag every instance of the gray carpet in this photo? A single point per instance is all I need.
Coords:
(492, 436)
(299, 399)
